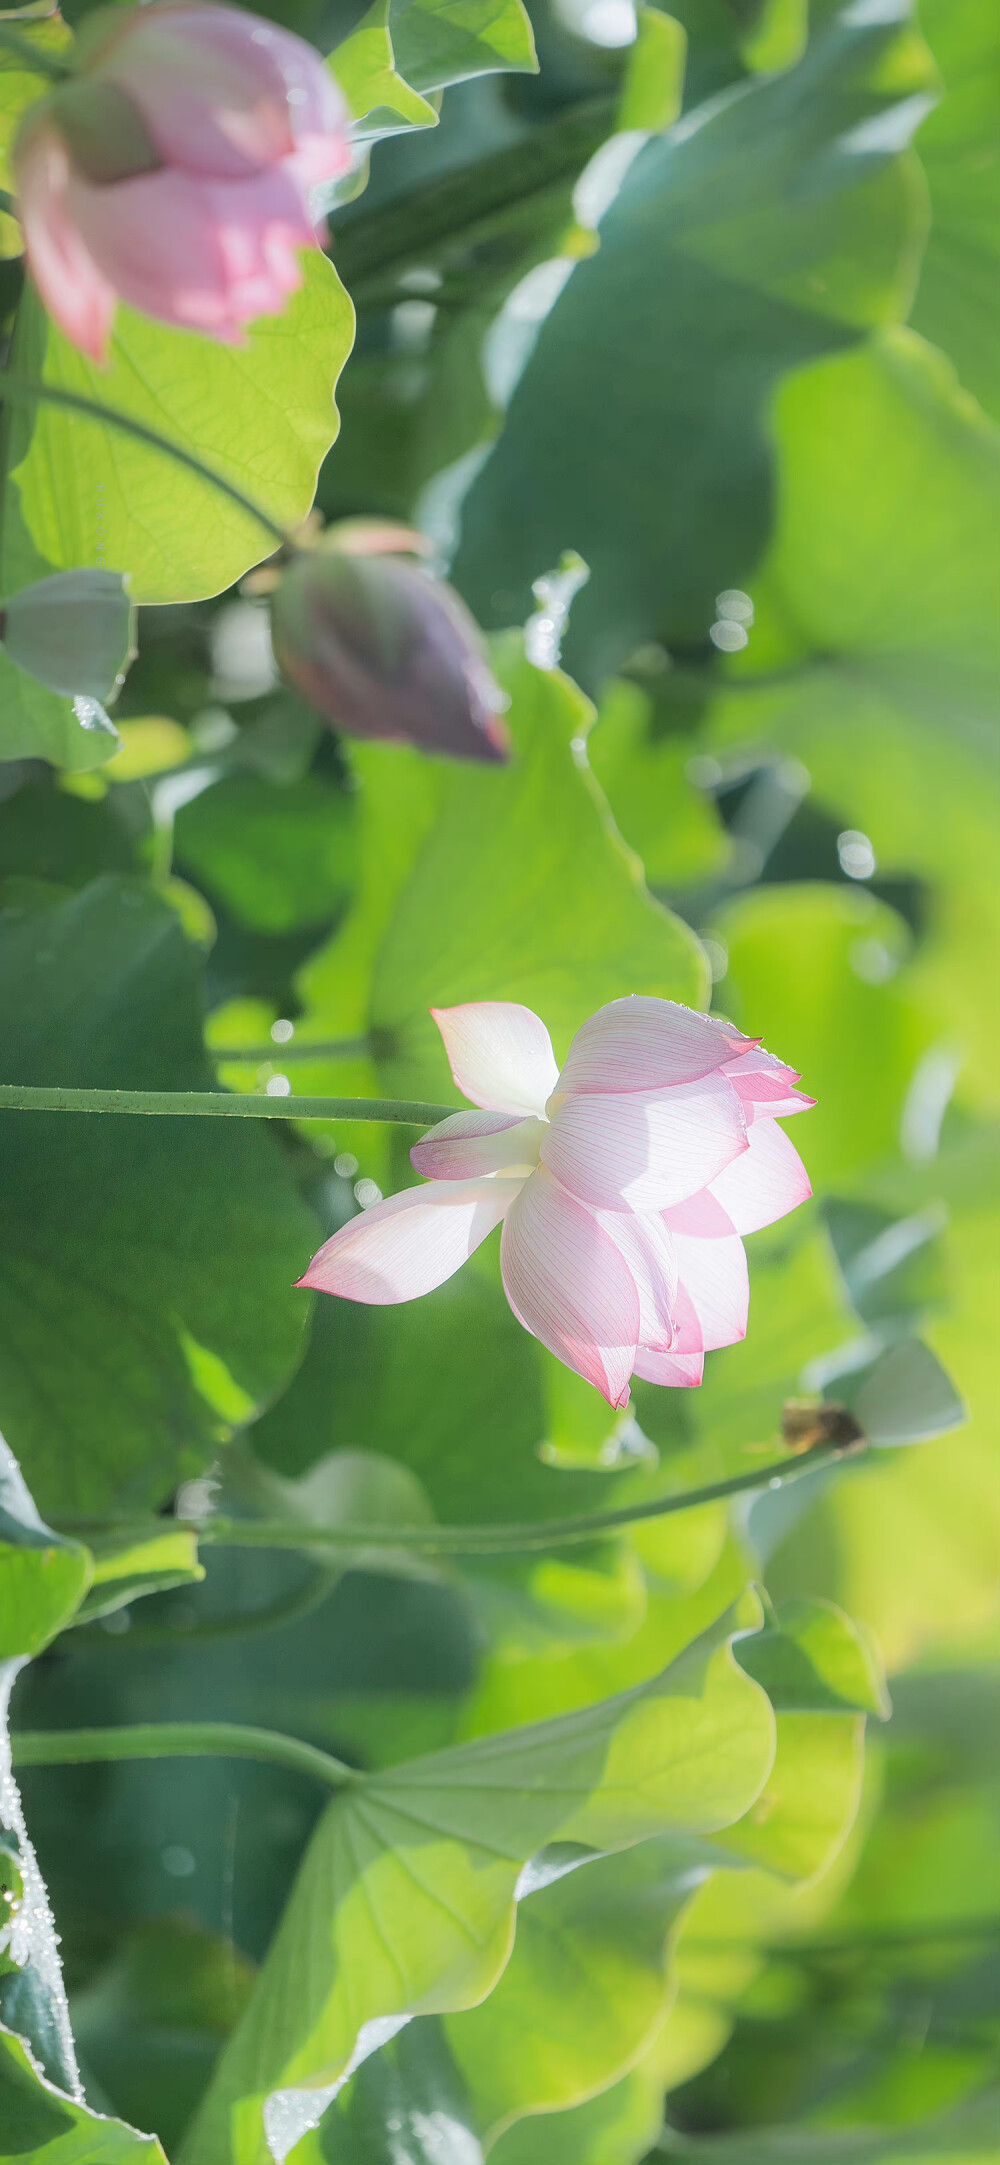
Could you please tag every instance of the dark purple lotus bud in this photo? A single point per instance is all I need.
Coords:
(382, 650)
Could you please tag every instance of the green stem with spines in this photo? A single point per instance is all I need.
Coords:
(176, 1740)
(512, 1539)
(338, 1048)
(217, 1105)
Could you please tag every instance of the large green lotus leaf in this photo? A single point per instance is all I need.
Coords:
(617, 2127)
(811, 971)
(277, 858)
(958, 298)
(147, 1300)
(604, 1983)
(672, 825)
(810, 1658)
(507, 884)
(405, 1900)
(875, 643)
(262, 415)
(772, 225)
(508, 1693)
(437, 42)
(403, 51)
(43, 1578)
(587, 1983)
(41, 2125)
(381, 101)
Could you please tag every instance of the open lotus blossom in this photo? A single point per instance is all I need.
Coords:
(624, 1184)
(174, 170)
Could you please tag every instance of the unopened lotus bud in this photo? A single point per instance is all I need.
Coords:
(380, 649)
(73, 632)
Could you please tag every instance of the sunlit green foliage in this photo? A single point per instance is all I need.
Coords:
(616, 1875)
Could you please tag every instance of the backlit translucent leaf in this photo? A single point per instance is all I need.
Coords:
(413, 1873)
(122, 504)
(812, 1659)
(127, 1566)
(43, 1578)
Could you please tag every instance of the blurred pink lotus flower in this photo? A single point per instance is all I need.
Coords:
(173, 172)
(624, 1185)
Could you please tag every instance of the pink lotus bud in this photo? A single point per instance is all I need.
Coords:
(173, 172)
(382, 650)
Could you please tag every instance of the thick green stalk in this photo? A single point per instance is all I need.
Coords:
(514, 1538)
(28, 391)
(334, 1048)
(176, 1740)
(217, 1105)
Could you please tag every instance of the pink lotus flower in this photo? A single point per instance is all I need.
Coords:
(173, 172)
(624, 1185)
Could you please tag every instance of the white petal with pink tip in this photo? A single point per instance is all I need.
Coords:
(682, 1371)
(647, 1044)
(713, 1274)
(469, 1144)
(410, 1243)
(641, 1151)
(569, 1285)
(500, 1055)
(767, 1086)
(765, 1183)
(646, 1246)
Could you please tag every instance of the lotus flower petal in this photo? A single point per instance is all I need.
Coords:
(713, 1277)
(210, 256)
(646, 1044)
(642, 1151)
(569, 1285)
(767, 1086)
(411, 1243)
(765, 1183)
(646, 1246)
(469, 1144)
(500, 1055)
(174, 173)
(225, 95)
(74, 289)
(681, 1370)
